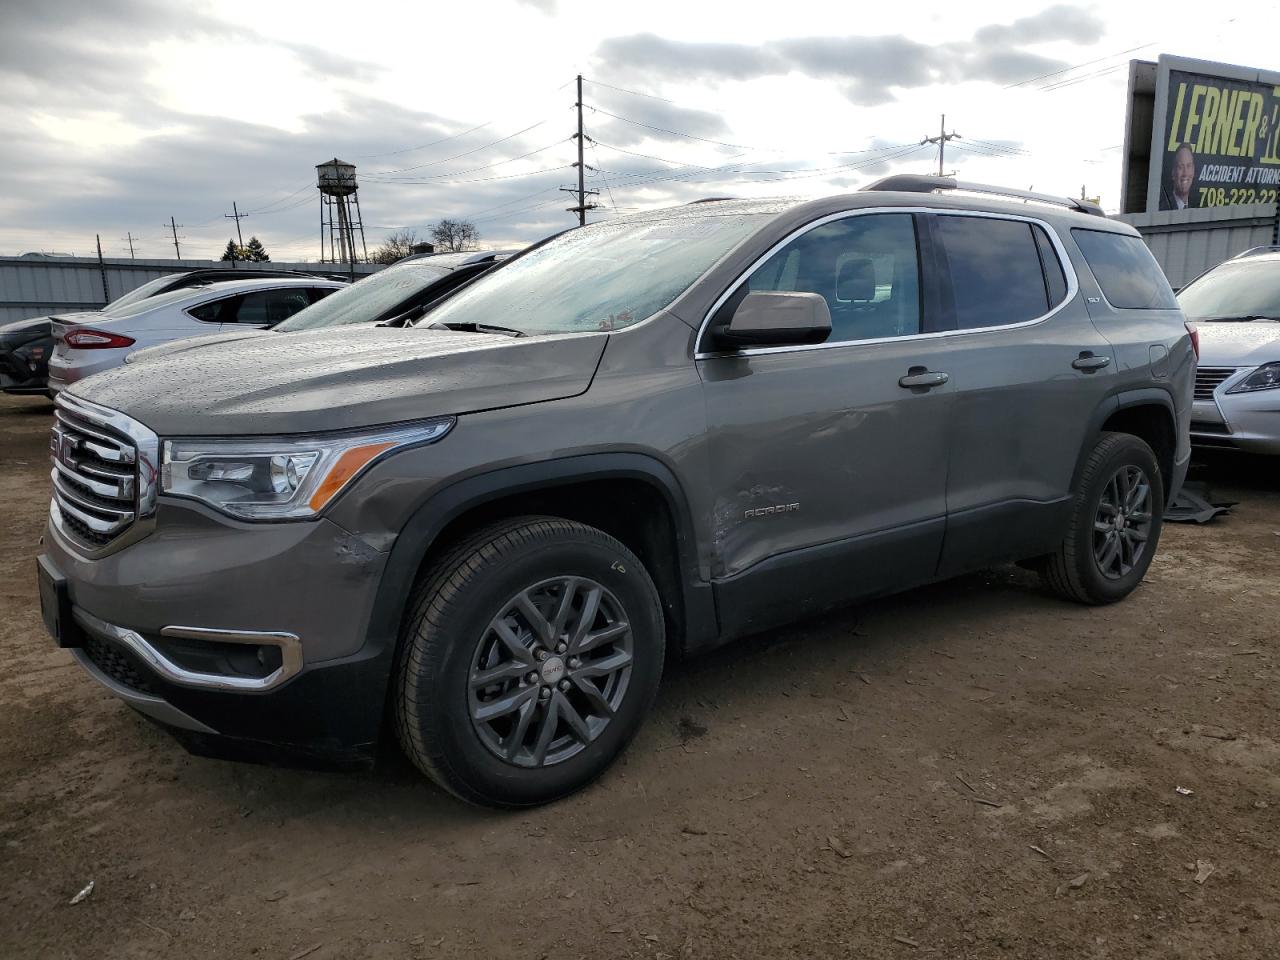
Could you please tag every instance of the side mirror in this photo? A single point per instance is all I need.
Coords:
(776, 319)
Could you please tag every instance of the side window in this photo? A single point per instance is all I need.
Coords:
(996, 277)
(318, 293)
(1126, 271)
(865, 267)
(1055, 280)
(267, 307)
(208, 312)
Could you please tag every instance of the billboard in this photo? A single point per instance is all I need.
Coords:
(1214, 136)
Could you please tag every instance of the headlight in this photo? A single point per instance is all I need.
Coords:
(1266, 377)
(281, 478)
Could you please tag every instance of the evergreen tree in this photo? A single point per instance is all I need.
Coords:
(232, 252)
(257, 252)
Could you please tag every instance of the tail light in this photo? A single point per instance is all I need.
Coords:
(86, 338)
(1195, 338)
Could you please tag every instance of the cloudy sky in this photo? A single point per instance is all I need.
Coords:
(121, 113)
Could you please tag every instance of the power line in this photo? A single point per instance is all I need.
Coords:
(634, 93)
(582, 207)
(465, 153)
(237, 216)
(382, 178)
(130, 238)
(174, 228)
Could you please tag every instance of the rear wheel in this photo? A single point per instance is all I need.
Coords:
(1115, 524)
(532, 654)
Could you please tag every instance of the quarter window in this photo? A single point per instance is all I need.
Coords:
(1126, 271)
(996, 276)
(865, 267)
(266, 307)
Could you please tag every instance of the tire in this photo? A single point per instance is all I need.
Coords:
(467, 622)
(1084, 568)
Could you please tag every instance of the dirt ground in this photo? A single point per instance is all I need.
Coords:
(970, 770)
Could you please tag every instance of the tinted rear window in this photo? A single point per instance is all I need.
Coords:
(996, 276)
(1129, 276)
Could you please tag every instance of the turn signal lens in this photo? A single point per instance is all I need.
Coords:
(347, 466)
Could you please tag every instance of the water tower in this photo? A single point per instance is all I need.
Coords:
(339, 213)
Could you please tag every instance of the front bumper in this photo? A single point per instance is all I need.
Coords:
(1246, 422)
(302, 593)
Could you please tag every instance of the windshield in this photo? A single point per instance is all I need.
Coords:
(1247, 288)
(606, 276)
(376, 297)
(142, 292)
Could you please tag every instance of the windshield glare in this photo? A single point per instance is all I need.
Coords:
(1244, 289)
(605, 276)
(376, 297)
(142, 292)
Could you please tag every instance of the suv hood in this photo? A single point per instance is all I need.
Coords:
(1242, 343)
(343, 378)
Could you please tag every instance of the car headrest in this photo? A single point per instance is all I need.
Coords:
(856, 280)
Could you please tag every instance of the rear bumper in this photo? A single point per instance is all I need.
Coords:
(67, 368)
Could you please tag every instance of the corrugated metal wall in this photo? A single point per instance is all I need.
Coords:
(37, 286)
(1188, 242)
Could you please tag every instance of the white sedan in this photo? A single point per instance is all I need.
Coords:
(88, 343)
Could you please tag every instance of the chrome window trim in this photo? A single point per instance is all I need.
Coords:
(289, 644)
(1068, 268)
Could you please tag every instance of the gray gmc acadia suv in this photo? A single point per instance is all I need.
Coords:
(652, 434)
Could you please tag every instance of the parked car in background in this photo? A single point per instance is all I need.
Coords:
(1236, 307)
(482, 531)
(88, 343)
(399, 293)
(26, 345)
(396, 295)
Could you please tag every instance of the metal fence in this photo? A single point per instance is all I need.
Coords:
(38, 286)
(1188, 242)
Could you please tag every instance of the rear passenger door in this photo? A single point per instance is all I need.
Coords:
(1029, 369)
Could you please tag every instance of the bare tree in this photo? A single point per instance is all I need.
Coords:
(395, 247)
(454, 236)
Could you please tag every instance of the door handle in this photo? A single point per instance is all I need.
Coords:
(920, 378)
(1088, 362)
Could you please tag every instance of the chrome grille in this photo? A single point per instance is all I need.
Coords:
(104, 474)
(1208, 379)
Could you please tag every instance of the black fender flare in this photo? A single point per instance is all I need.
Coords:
(1113, 404)
(435, 513)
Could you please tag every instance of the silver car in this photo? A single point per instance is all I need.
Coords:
(1236, 307)
(88, 343)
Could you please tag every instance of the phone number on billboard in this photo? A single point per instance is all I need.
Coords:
(1222, 197)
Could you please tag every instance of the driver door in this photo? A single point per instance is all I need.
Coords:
(829, 461)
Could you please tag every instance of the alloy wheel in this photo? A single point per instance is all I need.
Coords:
(1122, 525)
(550, 671)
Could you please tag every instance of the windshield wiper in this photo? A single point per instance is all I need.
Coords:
(1252, 316)
(471, 327)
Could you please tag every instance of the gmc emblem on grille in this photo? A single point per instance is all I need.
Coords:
(62, 448)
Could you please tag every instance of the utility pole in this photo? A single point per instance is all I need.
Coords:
(130, 237)
(173, 227)
(941, 140)
(102, 269)
(237, 216)
(582, 191)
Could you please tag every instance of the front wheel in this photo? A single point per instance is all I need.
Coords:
(1115, 524)
(531, 655)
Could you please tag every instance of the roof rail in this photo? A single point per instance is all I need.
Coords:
(919, 183)
(1255, 251)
